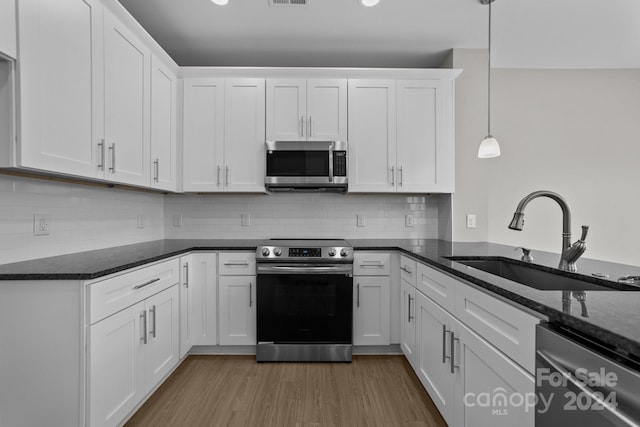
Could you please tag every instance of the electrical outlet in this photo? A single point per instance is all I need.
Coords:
(360, 220)
(41, 224)
(408, 220)
(471, 221)
(177, 220)
(245, 219)
(140, 221)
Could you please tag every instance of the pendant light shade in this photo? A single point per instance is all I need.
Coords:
(489, 147)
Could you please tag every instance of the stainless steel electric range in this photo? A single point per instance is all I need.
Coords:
(304, 300)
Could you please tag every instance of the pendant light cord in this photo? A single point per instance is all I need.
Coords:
(489, 77)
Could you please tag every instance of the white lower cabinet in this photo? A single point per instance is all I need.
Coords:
(408, 321)
(472, 382)
(130, 352)
(237, 310)
(371, 310)
(198, 301)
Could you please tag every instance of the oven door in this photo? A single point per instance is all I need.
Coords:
(304, 316)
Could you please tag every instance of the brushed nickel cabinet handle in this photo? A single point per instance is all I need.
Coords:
(218, 179)
(156, 172)
(226, 176)
(393, 175)
(400, 172)
(358, 295)
(301, 126)
(444, 344)
(143, 316)
(146, 283)
(309, 129)
(453, 350)
(113, 158)
(250, 294)
(152, 311)
(186, 275)
(101, 145)
(409, 309)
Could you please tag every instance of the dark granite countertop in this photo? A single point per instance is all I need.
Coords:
(613, 316)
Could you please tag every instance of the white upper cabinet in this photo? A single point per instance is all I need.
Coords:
(163, 126)
(244, 131)
(203, 133)
(61, 86)
(424, 146)
(306, 110)
(223, 135)
(401, 136)
(372, 135)
(8, 28)
(127, 75)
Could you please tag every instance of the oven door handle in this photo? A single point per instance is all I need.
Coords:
(305, 269)
(609, 412)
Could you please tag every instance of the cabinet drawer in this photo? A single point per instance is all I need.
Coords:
(436, 285)
(237, 264)
(508, 328)
(112, 295)
(371, 264)
(408, 270)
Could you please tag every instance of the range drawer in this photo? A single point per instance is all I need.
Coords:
(408, 270)
(237, 264)
(371, 264)
(508, 328)
(116, 293)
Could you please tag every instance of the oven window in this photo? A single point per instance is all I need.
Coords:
(298, 163)
(304, 308)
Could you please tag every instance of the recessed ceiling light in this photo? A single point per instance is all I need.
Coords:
(220, 2)
(369, 3)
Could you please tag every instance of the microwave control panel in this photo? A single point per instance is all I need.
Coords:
(339, 163)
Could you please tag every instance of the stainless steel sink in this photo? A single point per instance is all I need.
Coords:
(533, 276)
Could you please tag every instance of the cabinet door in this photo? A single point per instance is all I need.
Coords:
(8, 28)
(186, 305)
(127, 75)
(286, 109)
(116, 365)
(432, 363)
(237, 310)
(420, 151)
(485, 370)
(162, 349)
(203, 317)
(326, 110)
(203, 133)
(408, 321)
(371, 320)
(163, 126)
(372, 136)
(244, 152)
(61, 86)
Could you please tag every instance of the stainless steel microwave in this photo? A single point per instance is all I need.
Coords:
(306, 166)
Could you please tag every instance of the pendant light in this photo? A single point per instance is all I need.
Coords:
(489, 146)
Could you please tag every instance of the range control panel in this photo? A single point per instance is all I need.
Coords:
(305, 252)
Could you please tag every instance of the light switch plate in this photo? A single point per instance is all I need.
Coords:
(245, 219)
(408, 220)
(471, 221)
(360, 220)
(140, 221)
(177, 220)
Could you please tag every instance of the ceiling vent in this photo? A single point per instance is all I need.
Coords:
(289, 2)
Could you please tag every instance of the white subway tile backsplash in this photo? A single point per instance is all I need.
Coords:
(300, 215)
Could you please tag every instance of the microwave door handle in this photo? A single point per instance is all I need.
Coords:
(331, 162)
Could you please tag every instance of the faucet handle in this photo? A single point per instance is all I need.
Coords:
(585, 230)
(526, 254)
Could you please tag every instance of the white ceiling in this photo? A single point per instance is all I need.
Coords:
(396, 33)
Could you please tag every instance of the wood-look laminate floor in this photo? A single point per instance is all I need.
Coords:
(237, 391)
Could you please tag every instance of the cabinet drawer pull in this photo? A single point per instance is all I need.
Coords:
(406, 269)
(409, 309)
(236, 263)
(358, 295)
(143, 316)
(371, 264)
(393, 175)
(146, 283)
(250, 294)
(152, 311)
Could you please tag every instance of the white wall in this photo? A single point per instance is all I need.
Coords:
(300, 215)
(82, 217)
(575, 132)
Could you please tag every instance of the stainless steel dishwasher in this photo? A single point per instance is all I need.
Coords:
(580, 382)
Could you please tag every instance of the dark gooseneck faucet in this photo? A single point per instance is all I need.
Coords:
(569, 253)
